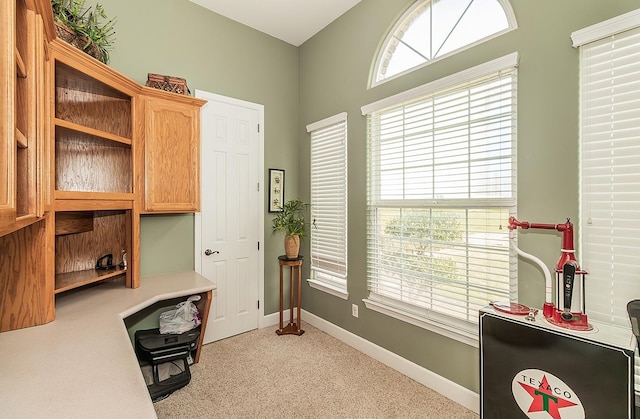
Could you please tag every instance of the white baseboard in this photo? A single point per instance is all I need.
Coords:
(447, 388)
(274, 318)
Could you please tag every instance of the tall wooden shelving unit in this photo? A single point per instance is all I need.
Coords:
(93, 174)
(84, 151)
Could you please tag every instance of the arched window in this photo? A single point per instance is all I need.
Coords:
(432, 29)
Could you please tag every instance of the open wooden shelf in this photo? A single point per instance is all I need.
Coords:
(88, 163)
(84, 236)
(88, 102)
(91, 131)
(70, 280)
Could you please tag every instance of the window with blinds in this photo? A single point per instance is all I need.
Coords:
(441, 186)
(329, 204)
(609, 233)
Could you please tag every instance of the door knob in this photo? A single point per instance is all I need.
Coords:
(210, 252)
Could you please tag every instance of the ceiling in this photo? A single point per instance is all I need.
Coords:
(293, 21)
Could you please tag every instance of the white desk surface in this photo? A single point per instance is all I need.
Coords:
(82, 365)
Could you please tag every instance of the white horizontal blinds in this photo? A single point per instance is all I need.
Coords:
(610, 176)
(441, 187)
(329, 200)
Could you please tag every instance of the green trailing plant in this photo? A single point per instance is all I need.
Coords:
(86, 23)
(291, 221)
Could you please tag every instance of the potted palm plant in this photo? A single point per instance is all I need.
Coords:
(291, 221)
(83, 28)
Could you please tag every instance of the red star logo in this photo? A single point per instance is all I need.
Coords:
(544, 400)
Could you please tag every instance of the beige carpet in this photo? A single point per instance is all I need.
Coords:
(261, 375)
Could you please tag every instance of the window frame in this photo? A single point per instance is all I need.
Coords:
(380, 56)
(449, 326)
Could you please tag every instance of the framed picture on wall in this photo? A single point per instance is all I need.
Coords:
(276, 190)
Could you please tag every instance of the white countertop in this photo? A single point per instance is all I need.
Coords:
(82, 365)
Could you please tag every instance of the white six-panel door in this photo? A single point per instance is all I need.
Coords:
(229, 227)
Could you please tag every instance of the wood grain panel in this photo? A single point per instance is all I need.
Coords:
(43, 7)
(85, 163)
(171, 149)
(203, 308)
(23, 51)
(74, 222)
(172, 156)
(43, 113)
(24, 298)
(90, 201)
(21, 69)
(22, 182)
(7, 112)
(25, 111)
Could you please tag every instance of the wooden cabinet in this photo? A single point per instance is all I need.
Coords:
(84, 151)
(170, 154)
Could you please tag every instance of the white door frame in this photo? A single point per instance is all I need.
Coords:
(198, 217)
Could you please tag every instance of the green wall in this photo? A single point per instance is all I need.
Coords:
(334, 74)
(217, 55)
(329, 74)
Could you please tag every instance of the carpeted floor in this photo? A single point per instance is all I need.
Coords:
(261, 375)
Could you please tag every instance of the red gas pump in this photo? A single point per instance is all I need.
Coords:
(567, 268)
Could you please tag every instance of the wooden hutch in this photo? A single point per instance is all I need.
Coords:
(84, 151)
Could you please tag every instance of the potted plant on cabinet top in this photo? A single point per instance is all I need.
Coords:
(291, 221)
(82, 28)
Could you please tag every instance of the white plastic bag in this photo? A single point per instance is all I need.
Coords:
(182, 319)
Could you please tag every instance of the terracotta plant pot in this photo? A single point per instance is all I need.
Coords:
(291, 246)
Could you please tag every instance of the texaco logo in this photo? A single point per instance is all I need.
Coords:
(542, 395)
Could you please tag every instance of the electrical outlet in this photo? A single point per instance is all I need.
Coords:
(354, 310)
